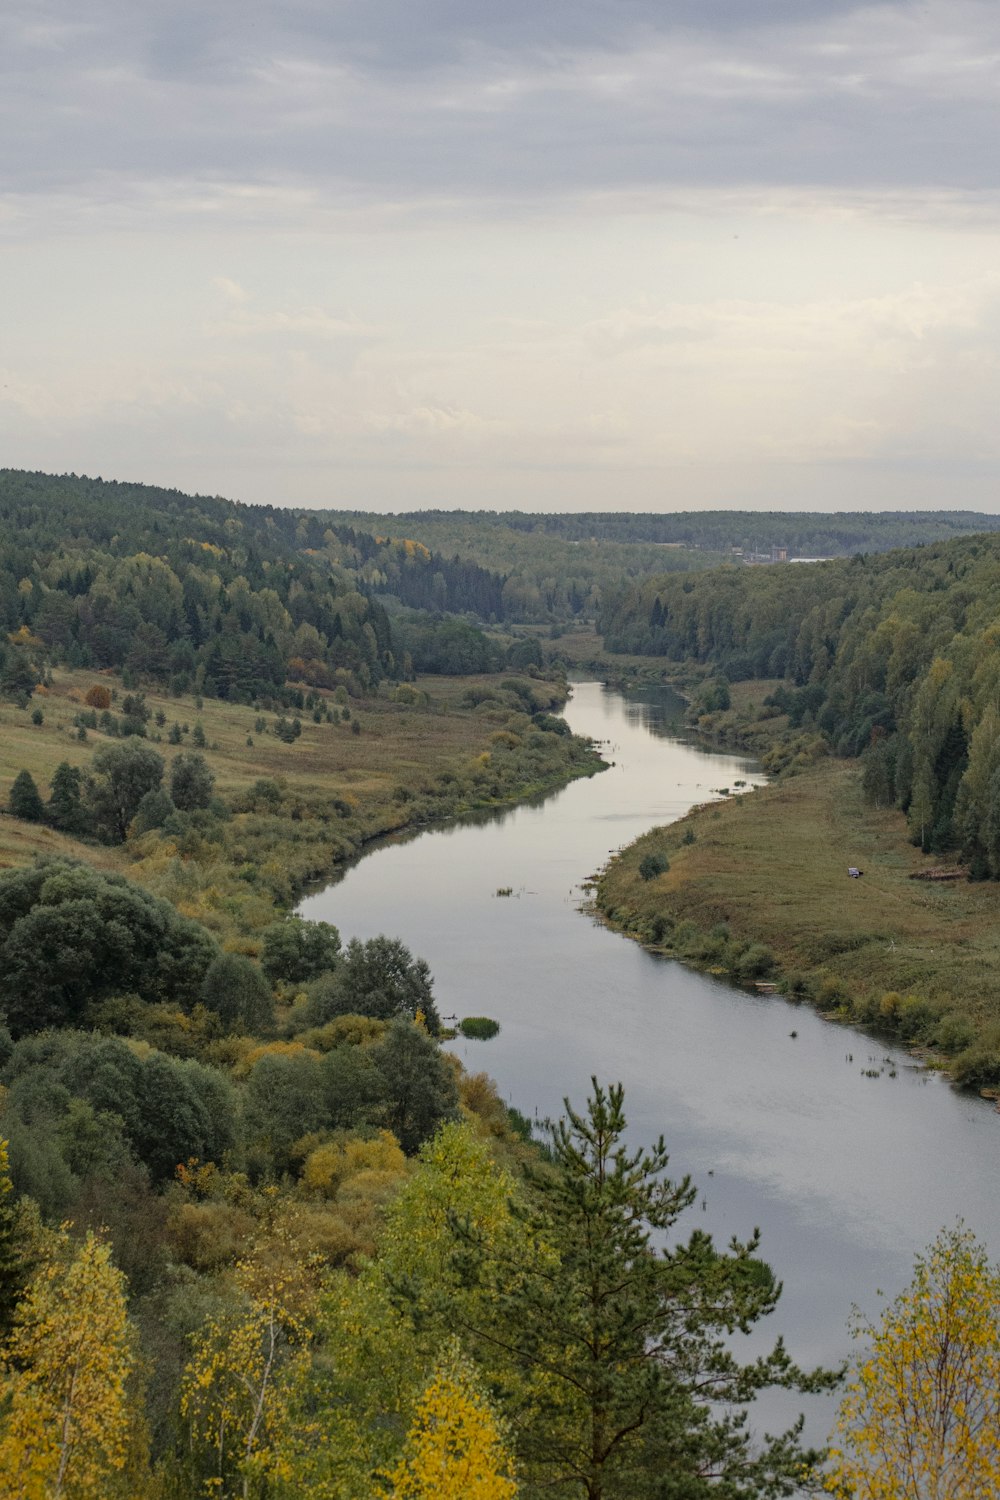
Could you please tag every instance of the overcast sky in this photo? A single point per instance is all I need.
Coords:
(544, 254)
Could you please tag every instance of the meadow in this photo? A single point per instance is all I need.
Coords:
(757, 887)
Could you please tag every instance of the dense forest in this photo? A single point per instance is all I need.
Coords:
(892, 657)
(261, 1236)
(213, 597)
(557, 566)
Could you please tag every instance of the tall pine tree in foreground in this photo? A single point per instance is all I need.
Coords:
(622, 1345)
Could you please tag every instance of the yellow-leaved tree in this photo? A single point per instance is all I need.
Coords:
(69, 1428)
(920, 1419)
(454, 1448)
(373, 1357)
(233, 1390)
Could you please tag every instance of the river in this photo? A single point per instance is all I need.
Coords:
(770, 1109)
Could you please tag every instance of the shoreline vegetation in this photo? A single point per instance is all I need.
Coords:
(242, 1187)
(755, 889)
(293, 812)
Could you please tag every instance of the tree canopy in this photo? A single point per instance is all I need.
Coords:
(70, 936)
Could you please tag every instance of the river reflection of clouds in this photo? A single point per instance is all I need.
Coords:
(847, 1175)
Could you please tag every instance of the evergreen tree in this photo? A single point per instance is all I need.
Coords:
(25, 803)
(65, 805)
(626, 1349)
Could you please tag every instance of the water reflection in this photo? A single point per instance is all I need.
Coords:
(846, 1174)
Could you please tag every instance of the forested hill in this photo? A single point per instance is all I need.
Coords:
(803, 533)
(557, 567)
(205, 594)
(895, 656)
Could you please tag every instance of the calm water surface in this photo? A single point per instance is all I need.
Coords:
(846, 1175)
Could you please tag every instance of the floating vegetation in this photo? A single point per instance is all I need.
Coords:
(505, 890)
(480, 1028)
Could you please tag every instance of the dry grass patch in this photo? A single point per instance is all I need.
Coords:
(771, 868)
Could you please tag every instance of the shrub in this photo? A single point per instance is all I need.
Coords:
(755, 962)
(481, 1028)
(652, 865)
(977, 1067)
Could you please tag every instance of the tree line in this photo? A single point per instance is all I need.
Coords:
(891, 657)
(208, 596)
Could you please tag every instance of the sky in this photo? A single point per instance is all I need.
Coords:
(509, 254)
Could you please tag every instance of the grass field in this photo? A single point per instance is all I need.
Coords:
(770, 869)
(390, 765)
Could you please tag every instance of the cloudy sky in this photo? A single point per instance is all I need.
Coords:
(545, 254)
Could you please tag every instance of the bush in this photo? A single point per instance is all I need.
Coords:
(652, 865)
(977, 1067)
(755, 962)
(481, 1028)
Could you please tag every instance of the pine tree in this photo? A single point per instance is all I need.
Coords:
(25, 801)
(65, 806)
(625, 1351)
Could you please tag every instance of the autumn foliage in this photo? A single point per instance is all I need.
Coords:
(921, 1416)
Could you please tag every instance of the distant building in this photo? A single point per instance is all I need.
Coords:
(779, 554)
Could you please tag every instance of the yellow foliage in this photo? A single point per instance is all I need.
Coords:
(330, 1166)
(921, 1416)
(67, 1427)
(252, 1055)
(454, 1449)
(478, 1096)
(232, 1390)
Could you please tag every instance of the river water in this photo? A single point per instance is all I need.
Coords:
(770, 1109)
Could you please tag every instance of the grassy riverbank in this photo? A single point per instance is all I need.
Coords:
(757, 889)
(292, 811)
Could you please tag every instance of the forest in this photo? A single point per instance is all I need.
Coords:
(261, 1235)
(890, 657)
(557, 567)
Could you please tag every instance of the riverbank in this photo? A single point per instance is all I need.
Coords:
(757, 889)
(291, 810)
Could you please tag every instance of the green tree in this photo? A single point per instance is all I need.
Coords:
(627, 1349)
(70, 936)
(191, 781)
(14, 1251)
(380, 978)
(65, 805)
(18, 678)
(25, 802)
(153, 811)
(296, 951)
(236, 990)
(120, 777)
(420, 1086)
